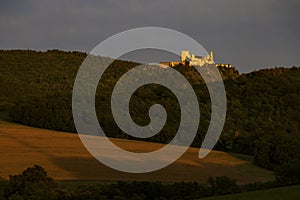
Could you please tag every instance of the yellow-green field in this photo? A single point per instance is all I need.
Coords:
(288, 193)
(64, 157)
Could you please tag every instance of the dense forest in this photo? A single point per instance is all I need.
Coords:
(263, 110)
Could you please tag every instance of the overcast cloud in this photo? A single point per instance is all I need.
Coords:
(248, 34)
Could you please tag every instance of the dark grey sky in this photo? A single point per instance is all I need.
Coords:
(249, 34)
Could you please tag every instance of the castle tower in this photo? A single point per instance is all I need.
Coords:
(211, 55)
(185, 55)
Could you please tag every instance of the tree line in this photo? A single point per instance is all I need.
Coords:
(34, 183)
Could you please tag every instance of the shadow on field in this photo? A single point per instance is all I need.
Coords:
(90, 169)
(243, 157)
(84, 168)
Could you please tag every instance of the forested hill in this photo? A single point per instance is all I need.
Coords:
(263, 117)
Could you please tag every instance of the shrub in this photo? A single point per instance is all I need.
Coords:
(289, 173)
(223, 185)
(33, 183)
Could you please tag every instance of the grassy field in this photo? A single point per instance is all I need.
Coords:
(288, 193)
(64, 157)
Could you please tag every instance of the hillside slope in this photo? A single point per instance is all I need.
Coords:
(64, 157)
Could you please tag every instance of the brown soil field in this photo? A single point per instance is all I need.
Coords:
(65, 158)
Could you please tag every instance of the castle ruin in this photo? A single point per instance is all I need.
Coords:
(192, 60)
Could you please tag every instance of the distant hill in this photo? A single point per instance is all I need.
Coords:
(263, 106)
